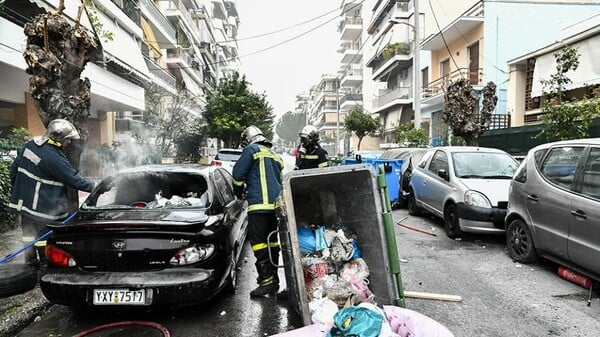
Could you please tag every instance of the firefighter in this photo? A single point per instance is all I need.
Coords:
(40, 176)
(259, 169)
(310, 153)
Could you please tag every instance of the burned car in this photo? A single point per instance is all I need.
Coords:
(149, 236)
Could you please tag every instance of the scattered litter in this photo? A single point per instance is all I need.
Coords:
(483, 246)
(458, 239)
(223, 313)
(37, 318)
(403, 260)
(518, 265)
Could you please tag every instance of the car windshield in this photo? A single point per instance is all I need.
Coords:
(152, 191)
(228, 155)
(483, 165)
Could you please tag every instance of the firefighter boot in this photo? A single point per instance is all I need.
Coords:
(268, 282)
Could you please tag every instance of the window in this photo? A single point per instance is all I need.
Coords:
(591, 175)
(424, 160)
(521, 174)
(439, 162)
(560, 165)
(224, 186)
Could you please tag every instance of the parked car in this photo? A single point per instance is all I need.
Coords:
(411, 157)
(226, 158)
(554, 206)
(466, 186)
(161, 236)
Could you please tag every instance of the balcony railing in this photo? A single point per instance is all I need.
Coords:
(131, 10)
(349, 20)
(160, 72)
(389, 95)
(351, 97)
(179, 53)
(388, 52)
(158, 17)
(441, 84)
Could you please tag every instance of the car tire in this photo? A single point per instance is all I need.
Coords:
(451, 222)
(520, 243)
(413, 209)
(231, 282)
(16, 279)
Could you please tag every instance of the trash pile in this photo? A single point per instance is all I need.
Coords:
(337, 285)
(190, 200)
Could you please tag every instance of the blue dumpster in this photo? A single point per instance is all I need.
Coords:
(393, 172)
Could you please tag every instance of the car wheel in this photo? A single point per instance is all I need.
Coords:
(413, 209)
(519, 242)
(451, 222)
(16, 279)
(231, 285)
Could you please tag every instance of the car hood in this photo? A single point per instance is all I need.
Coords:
(496, 190)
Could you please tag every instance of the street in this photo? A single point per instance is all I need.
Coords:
(499, 298)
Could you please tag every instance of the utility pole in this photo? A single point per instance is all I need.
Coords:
(337, 125)
(417, 68)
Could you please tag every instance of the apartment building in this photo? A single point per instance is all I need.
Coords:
(173, 44)
(324, 112)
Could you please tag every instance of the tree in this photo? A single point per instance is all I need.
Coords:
(565, 119)
(406, 133)
(289, 126)
(168, 115)
(232, 107)
(189, 142)
(56, 54)
(463, 113)
(360, 123)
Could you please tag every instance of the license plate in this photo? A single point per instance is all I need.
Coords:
(119, 296)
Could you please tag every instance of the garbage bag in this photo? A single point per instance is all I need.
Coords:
(306, 241)
(356, 321)
(409, 323)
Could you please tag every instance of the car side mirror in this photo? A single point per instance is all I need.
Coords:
(444, 175)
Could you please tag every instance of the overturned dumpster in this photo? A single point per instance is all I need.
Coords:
(352, 195)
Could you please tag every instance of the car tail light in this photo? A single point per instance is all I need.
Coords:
(216, 163)
(192, 254)
(59, 257)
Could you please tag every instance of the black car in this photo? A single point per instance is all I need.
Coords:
(149, 236)
(411, 157)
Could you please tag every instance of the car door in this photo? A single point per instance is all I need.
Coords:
(419, 176)
(549, 196)
(584, 225)
(437, 188)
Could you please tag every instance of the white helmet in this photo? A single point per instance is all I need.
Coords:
(58, 130)
(253, 134)
(310, 133)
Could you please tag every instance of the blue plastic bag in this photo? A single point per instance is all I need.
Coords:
(306, 240)
(356, 321)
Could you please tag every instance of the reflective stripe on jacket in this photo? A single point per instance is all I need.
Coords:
(40, 176)
(260, 169)
(315, 158)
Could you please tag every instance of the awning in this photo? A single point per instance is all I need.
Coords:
(123, 48)
(151, 40)
(190, 84)
(587, 73)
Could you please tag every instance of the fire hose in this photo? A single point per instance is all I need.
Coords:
(156, 326)
(30, 244)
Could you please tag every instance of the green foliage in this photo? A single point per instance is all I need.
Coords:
(290, 125)
(232, 107)
(361, 123)
(407, 135)
(398, 48)
(188, 144)
(15, 140)
(563, 119)
(92, 13)
(7, 219)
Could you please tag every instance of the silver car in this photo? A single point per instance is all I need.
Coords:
(554, 206)
(466, 186)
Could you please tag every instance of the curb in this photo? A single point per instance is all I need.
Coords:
(16, 312)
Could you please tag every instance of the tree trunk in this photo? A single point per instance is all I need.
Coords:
(56, 54)
(359, 141)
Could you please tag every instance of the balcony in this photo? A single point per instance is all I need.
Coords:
(352, 77)
(390, 97)
(348, 101)
(176, 8)
(384, 12)
(393, 55)
(169, 82)
(165, 31)
(350, 27)
(439, 86)
(351, 53)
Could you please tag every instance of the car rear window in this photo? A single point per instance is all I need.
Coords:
(228, 155)
(153, 190)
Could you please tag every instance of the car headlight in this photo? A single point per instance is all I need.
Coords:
(474, 198)
(192, 254)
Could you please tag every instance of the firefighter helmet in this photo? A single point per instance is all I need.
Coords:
(310, 133)
(253, 134)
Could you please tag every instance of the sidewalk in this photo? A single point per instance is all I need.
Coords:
(19, 310)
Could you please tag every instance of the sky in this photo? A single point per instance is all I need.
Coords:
(283, 71)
